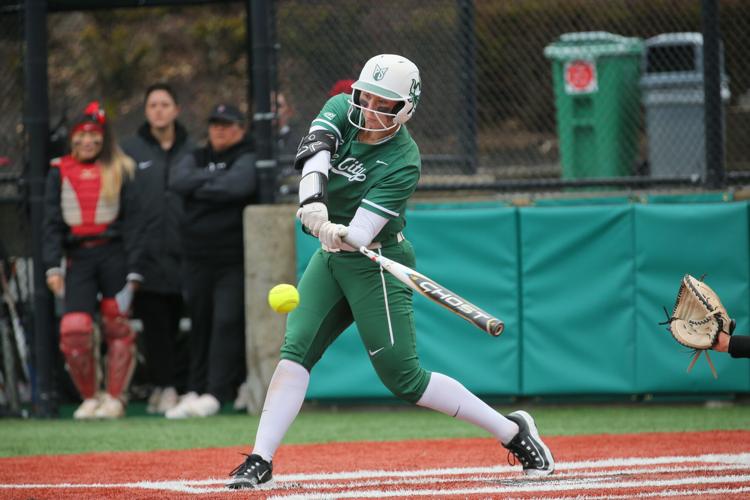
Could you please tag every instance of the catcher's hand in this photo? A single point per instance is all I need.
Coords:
(698, 317)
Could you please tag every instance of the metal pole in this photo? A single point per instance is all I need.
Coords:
(36, 121)
(261, 57)
(468, 82)
(715, 174)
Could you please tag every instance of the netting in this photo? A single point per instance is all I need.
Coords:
(534, 91)
(11, 103)
(499, 81)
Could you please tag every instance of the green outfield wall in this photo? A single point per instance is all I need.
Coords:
(580, 286)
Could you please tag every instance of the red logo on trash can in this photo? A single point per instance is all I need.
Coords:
(580, 76)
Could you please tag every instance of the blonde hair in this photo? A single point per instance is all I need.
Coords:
(114, 170)
(115, 165)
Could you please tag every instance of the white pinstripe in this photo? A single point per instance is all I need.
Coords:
(385, 300)
(380, 207)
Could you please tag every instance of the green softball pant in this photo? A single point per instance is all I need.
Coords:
(339, 288)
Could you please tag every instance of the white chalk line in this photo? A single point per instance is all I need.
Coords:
(611, 470)
(540, 487)
(651, 494)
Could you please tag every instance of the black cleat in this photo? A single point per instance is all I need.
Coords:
(250, 473)
(529, 448)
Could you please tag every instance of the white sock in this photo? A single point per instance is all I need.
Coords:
(448, 396)
(284, 398)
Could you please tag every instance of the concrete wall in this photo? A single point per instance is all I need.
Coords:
(269, 260)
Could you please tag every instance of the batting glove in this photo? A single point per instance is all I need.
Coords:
(313, 215)
(331, 235)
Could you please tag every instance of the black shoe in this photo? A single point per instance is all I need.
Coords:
(250, 473)
(529, 448)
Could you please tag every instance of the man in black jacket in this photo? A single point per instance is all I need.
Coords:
(159, 144)
(216, 182)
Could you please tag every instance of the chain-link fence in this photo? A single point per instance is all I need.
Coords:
(325, 42)
(114, 55)
(534, 90)
(528, 92)
(11, 103)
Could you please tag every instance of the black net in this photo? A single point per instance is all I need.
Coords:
(322, 43)
(515, 94)
(536, 90)
(11, 103)
(114, 55)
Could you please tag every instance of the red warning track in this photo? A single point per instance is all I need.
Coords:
(675, 465)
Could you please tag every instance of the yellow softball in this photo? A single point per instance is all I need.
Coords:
(283, 298)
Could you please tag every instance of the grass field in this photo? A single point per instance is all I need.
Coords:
(141, 432)
(602, 450)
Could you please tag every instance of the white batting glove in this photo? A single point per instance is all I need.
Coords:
(313, 215)
(331, 235)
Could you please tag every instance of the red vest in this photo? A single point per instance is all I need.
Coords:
(83, 208)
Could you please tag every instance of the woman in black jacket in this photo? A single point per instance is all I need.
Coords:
(159, 144)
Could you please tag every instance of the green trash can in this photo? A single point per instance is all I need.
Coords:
(597, 99)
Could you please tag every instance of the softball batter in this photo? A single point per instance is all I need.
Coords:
(359, 168)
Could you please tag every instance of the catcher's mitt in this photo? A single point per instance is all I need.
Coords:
(698, 318)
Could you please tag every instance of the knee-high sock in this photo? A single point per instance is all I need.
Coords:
(448, 396)
(284, 398)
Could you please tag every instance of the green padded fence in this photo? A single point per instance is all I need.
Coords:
(671, 240)
(581, 289)
(577, 289)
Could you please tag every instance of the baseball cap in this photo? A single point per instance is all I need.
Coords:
(226, 113)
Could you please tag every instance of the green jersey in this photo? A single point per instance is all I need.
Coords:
(377, 177)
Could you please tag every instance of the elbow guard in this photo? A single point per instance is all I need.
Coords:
(314, 142)
(312, 187)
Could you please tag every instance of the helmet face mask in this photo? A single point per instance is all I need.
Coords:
(385, 116)
(391, 77)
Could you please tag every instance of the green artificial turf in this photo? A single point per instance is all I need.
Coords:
(326, 424)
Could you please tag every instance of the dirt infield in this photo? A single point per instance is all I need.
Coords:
(708, 464)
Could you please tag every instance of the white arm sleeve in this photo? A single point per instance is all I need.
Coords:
(364, 227)
(319, 162)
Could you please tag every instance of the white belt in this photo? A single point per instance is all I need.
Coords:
(372, 246)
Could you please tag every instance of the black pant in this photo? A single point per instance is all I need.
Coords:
(90, 271)
(160, 315)
(215, 295)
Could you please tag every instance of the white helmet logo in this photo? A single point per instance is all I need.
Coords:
(415, 91)
(379, 73)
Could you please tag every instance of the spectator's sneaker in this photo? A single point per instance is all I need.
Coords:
(180, 411)
(110, 407)
(199, 406)
(529, 448)
(153, 401)
(250, 473)
(205, 406)
(87, 409)
(168, 400)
